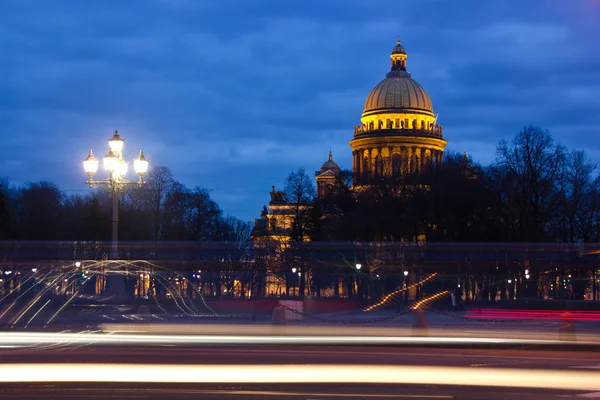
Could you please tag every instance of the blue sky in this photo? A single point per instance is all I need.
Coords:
(234, 94)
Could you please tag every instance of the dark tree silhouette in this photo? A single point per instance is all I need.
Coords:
(531, 166)
(299, 193)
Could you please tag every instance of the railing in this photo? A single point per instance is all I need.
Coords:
(361, 130)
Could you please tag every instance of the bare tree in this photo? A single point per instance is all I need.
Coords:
(5, 228)
(532, 164)
(159, 182)
(574, 220)
(300, 192)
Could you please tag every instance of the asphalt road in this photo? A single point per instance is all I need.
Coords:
(264, 392)
(289, 354)
(475, 359)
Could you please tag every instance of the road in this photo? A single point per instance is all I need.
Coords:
(316, 355)
(280, 358)
(270, 392)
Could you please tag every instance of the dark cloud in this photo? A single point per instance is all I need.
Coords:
(233, 95)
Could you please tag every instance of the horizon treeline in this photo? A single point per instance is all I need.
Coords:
(536, 190)
(161, 210)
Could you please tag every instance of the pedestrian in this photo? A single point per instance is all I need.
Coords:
(453, 298)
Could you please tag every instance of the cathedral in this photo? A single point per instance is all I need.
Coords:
(398, 135)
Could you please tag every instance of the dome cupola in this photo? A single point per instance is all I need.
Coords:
(398, 92)
(399, 133)
(330, 165)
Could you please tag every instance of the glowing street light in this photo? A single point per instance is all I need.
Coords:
(358, 267)
(405, 273)
(294, 270)
(116, 167)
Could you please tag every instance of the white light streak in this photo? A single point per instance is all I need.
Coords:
(25, 338)
(371, 374)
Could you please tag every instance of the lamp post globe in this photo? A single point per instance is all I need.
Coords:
(115, 144)
(140, 164)
(90, 164)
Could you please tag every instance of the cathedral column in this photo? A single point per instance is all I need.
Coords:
(357, 172)
(403, 160)
(414, 168)
(409, 160)
(354, 166)
(430, 161)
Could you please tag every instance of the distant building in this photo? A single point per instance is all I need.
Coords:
(398, 135)
(276, 219)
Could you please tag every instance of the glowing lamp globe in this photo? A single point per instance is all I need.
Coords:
(116, 143)
(140, 164)
(90, 164)
(111, 161)
(122, 166)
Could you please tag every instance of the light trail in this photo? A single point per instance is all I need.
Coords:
(391, 295)
(429, 299)
(36, 339)
(37, 312)
(547, 315)
(408, 374)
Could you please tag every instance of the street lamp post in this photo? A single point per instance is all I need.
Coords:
(116, 166)
(358, 285)
(405, 285)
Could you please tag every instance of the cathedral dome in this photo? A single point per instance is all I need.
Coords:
(398, 49)
(397, 92)
(330, 165)
(399, 134)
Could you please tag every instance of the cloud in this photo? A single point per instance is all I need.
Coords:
(233, 101)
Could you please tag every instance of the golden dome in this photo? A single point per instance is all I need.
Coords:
(399, 134)
(398, 92)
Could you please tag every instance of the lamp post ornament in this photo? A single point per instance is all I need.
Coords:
(116, 166)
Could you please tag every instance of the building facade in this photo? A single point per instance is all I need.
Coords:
(398, 135)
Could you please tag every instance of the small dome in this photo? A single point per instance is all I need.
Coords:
(398, 49)
(330, 165)
(396, 92)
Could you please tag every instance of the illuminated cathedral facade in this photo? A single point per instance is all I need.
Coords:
(398, 135)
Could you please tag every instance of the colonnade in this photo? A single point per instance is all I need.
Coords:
(394, 160)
